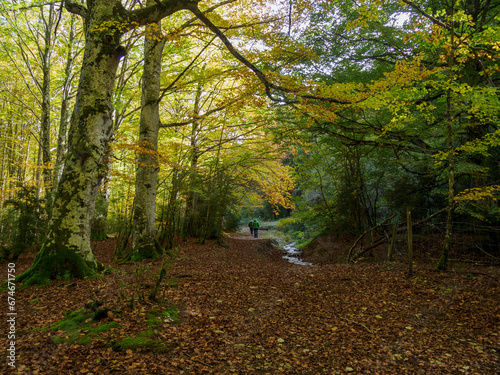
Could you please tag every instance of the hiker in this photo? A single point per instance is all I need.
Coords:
(250, 225)
(256, 226)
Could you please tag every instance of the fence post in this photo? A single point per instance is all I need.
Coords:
(390, 252)
(410, 242)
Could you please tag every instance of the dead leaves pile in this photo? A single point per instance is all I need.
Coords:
(245, 312)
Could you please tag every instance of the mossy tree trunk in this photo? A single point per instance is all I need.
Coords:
(65, 101)
(144, 241)
(66, 250)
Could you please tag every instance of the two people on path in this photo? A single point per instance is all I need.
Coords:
(254, 228)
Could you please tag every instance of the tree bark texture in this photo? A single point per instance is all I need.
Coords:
(65, 110)
(193, 220)
(66, 250)
(410, 241)
(144, 234)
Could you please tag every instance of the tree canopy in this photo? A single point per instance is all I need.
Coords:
(341, 114)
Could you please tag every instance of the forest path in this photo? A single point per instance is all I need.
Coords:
(244, 234)
(247, 311)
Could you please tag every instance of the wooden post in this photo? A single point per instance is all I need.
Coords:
(393, 242)
(410, 242)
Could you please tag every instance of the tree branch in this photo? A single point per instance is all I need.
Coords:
(411, 4)
(352, 141)
(261, 76)
(155, 13)
(75, 8)
(269, 86)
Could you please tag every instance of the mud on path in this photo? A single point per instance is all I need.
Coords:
(245, 310)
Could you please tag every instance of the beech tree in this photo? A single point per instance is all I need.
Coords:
(144, 242)
(36, 27)
(427, 92)
(66, 249)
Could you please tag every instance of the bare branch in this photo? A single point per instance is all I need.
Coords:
(196, 118)
(201, 16)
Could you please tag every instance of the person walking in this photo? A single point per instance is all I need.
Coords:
(256, 226)
(250, 225)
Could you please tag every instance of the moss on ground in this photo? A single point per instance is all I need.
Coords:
(140, 342)
(157, 317)
(79, 327)
(149, 339)
(82, 326)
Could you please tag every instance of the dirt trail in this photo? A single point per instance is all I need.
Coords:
(247, 311)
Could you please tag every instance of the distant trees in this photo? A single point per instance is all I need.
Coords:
(176, 128)
(418, 82)
(67, 244)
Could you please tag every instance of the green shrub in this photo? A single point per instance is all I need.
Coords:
(26, 220)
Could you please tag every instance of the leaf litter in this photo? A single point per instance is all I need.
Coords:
(244, 311)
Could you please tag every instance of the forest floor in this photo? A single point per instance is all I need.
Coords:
(242, 309)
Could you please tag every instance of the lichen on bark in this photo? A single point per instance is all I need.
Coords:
(144, 241)
(66, 251)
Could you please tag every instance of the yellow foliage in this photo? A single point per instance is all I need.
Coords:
(113, 26)
(287, 221)
(481, 193)
(482, 145)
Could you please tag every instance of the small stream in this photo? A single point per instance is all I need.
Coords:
(292, 255)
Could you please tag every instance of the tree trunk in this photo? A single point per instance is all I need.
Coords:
(443, 260)
(45, 120)
(172, 209)
(390, 252)
(66, 250)
(145, 244)
(64, 114)
(193, 219)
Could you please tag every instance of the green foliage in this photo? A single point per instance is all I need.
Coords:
(399, 93)
(270, 213)
(26, 220)
(232, 220)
